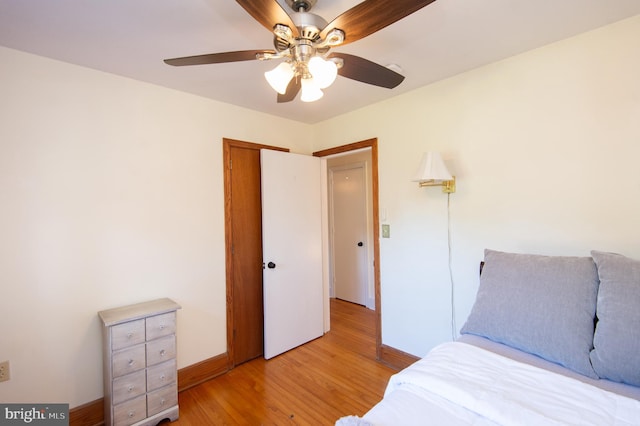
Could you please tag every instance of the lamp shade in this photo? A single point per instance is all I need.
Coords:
(310, 90)
(323, 72)
(432, 168)
(279, 77)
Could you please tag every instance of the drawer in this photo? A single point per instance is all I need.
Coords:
(130, 412)
(129, 386)
(127, 334)
(162, 399)
(161, 325)
(161, 375)
(161, 350)
(128, 360)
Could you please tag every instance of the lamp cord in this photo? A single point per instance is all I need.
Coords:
(453, 304)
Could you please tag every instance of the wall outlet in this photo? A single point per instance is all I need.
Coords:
(4, 371)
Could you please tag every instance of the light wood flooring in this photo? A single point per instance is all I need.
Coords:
(314, 384)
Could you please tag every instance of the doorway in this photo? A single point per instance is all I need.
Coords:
(350, 232)
(370, 146)
(244, 272)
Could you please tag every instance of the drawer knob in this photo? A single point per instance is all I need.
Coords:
(130, 389)
(161, 326)
(162, 377)
(129, 335)
(132, 413)
(162, 352)
(131, 362)
(162, 401)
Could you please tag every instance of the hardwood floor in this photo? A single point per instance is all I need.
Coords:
(315, 384)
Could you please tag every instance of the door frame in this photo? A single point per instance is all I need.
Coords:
(227, 144)
(373, 145)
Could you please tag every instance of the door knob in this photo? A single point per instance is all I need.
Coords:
(360, 244)
(271, 265)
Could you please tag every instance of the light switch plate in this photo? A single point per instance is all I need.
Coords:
(386, 231)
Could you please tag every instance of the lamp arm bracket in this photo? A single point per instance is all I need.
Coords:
(448, 186)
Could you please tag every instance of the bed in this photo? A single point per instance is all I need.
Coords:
(550, 340)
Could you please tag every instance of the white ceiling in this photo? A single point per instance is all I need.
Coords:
(132, 37)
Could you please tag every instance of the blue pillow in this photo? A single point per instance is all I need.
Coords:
(616, 353)
(544, 305)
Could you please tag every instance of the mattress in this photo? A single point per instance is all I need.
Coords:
(459, 383)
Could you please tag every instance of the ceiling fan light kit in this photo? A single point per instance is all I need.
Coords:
(310, 90)
(279, 77)
(303, 40)
(317, 74)
(324, 72)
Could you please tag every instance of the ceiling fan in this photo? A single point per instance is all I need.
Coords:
(304, 39)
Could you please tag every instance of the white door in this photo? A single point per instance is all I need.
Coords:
(349, 217)
(292, 247)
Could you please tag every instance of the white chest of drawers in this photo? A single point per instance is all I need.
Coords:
(139, 361)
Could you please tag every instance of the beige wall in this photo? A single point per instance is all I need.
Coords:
(545, 147)
(112, 193)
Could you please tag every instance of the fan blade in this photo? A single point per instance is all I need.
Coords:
(268, 13)
(292, 91)
(360, 69)
(217, 58)
(372, 15)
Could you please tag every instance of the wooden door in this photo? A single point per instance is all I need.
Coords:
(243, 234)
(246, 253)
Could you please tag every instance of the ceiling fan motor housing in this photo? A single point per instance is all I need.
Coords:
(296, 5)
(309, 26)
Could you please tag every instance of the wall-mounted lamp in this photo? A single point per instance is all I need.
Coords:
(433, 172)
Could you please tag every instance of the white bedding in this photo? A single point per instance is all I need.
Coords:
(461, 384)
